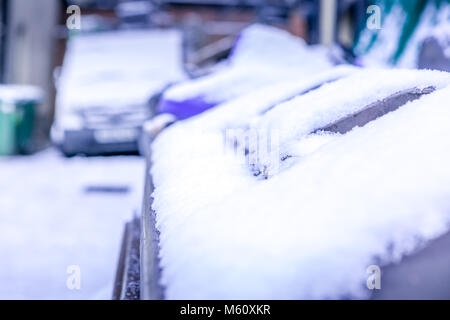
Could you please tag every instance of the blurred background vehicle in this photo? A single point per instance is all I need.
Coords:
(101, 109)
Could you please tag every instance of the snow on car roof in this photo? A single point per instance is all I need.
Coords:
(119, 67)
(310, 231)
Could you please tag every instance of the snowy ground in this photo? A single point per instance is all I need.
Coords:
(50, 221)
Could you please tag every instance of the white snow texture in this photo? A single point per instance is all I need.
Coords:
(339, 204)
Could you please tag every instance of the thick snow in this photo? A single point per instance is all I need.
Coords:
(199, 156)
(300, 116)
(285, 50)
(253, 64)
(120, 68)
(48, 222)
(309, 231)
(256, 102)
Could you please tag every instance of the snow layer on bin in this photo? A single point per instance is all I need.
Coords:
(251, 65)
(200, 155)
(297, 118)
(254, 103)
(369, 196)
(15, 93)
(285, 50)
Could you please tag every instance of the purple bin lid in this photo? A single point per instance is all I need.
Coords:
(186, 108)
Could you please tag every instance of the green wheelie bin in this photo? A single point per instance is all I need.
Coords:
(18, 106)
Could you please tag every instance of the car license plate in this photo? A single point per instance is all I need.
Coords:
(116, 135)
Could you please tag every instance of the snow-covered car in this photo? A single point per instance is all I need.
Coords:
(105, 86)
(343, 179)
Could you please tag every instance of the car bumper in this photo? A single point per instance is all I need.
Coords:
(100, 141)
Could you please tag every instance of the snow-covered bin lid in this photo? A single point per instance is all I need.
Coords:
(285, 50)
(341, 203)
(252, 65)
(20, 93)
